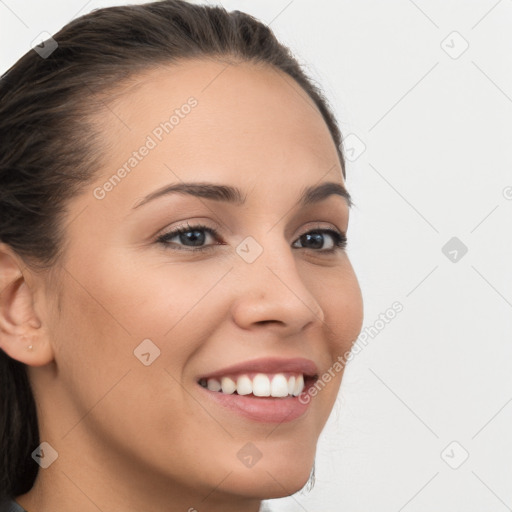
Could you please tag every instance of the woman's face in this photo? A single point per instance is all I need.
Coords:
(146, 322)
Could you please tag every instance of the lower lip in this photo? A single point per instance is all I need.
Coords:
(261, 409)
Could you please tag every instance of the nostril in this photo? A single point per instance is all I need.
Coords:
(265, 322)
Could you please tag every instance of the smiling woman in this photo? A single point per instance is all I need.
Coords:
(158, 339)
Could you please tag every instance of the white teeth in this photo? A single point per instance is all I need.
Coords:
(291, 385)
(214, 385)
(279, 386)
(275, 385)
(228, 385)
(244, 385)
(261, 385)
(299, 385)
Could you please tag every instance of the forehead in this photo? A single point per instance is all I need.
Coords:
(242, 122)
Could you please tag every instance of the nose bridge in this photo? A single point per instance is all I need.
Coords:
(272, 289)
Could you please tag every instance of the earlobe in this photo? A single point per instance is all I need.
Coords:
(23, 336)
(31, 352)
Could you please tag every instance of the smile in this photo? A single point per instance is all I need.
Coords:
(277, 385)
(262, 390)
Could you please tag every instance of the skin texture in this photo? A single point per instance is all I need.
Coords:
(132, 437)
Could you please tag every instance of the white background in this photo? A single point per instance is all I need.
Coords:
(436, 129)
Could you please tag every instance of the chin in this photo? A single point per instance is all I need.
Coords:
(269, 485)
(275, 478)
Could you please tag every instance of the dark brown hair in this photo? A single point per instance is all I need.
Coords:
(50, 149)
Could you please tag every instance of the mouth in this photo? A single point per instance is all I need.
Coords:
(264, 390)
(276, 385)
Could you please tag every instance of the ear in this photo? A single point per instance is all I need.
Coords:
(23, 334)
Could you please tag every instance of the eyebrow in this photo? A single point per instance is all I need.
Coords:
(229, 194)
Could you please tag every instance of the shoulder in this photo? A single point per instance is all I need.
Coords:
(9, 505)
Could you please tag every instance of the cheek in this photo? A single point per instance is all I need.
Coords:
(94, 345)
(342, 303)
(99, 328)
(160, 296)
(345, 316)
(175, 305)
(116, 299)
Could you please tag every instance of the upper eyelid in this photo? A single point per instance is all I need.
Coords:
(215, 231)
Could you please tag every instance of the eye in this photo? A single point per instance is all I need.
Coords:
(194, 238)
(316, 240)
(189, 236)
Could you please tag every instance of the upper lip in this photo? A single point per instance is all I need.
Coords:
(268, 365)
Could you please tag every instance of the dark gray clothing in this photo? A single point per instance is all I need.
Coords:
(11, 506)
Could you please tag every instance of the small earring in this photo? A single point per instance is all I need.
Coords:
(29, 347)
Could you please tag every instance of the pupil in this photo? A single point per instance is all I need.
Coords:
(317, 239)
(196, 237)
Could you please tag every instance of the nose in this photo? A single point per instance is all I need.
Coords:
(273, 292)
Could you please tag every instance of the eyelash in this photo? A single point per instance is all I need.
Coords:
(339, 238)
